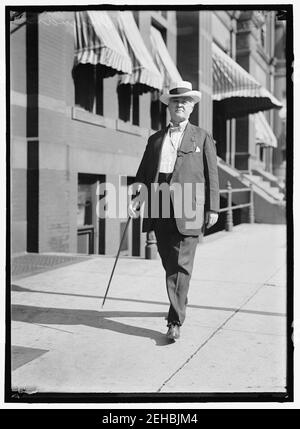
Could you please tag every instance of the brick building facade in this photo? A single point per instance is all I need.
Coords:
(61, 151)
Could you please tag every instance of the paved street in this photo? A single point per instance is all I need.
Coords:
(233, 339)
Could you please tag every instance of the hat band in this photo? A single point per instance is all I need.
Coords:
(179, 91)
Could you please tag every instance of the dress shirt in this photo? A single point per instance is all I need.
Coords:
(170, 146)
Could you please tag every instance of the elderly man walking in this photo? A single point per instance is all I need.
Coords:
(182, 157)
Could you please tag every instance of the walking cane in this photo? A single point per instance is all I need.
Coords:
(117, 257)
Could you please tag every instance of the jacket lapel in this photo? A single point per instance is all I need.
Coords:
(188, 140)
(157, 147)
(188, 144)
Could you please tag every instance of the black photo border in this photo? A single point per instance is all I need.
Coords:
(286, 12)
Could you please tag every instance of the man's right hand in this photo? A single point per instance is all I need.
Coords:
(133, 208)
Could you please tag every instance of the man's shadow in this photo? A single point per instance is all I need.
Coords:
(95, 319)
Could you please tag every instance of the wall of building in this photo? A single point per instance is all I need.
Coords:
(188, 51)
(70, 140)
(279, 154)
(255, 51)
(18, 140)
(221, 25)
(205, 70)
(194, 60)
(224, 131)
(82, 142)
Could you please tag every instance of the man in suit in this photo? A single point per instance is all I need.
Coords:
(182, 158)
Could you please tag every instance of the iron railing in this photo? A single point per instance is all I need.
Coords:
(229, 191)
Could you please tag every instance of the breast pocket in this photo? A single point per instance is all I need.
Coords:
(197, 159)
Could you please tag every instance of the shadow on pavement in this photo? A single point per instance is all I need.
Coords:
(21, 355)
(16, 288)
(94, 319)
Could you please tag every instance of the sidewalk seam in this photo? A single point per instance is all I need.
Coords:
(208, 339)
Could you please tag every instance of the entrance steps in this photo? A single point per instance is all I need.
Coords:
(269, 202)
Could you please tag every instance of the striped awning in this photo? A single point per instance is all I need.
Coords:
(263, 132)
(236, 91)
(163, 59)
(144, 70)
(97, 42)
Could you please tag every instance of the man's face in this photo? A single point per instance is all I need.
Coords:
(180, 108)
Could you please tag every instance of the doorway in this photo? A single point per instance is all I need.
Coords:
(90, 228)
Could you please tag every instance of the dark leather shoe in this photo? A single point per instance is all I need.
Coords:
(173, 332)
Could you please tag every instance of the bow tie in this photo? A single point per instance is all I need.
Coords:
(174, 129)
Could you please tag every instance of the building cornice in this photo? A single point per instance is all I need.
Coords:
(251, 19)
(234, 14)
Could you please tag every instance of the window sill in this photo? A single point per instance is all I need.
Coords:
(125, 127)
(79, 114)
(85, 227)
(90, 118)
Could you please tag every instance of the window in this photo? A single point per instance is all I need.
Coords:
(128, 96)
(263, 36)
(135, 106)
(88, 81)
(261, 153)
(129, 103)
(264, 29)
(158, 112)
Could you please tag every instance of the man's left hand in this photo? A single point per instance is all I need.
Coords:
(211, 219)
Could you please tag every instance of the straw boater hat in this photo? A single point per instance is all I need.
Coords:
(181, 89)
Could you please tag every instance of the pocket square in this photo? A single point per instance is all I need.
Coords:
(197, 149)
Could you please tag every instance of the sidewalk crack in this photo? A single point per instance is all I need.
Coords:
(51, 327)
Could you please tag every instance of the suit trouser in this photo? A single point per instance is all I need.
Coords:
(177, 252)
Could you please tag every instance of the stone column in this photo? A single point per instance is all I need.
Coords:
(248, 26)
(205, 70)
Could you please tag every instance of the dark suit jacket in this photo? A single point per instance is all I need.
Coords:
(198, 168)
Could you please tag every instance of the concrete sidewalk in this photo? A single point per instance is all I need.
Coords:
(233, 340)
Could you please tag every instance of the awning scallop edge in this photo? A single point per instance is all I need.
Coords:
(97, 42)
(236, 91)
(144, 70)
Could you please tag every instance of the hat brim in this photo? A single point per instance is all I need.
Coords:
(195, 95)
